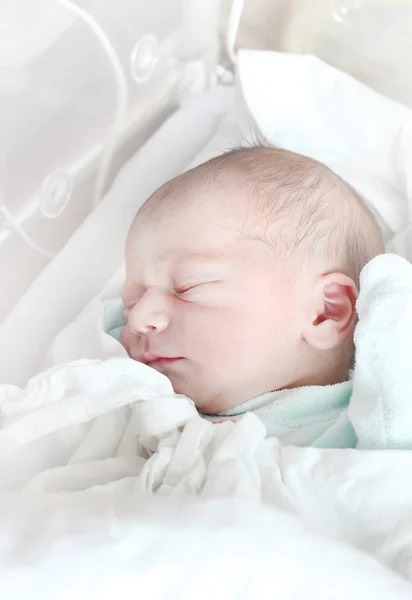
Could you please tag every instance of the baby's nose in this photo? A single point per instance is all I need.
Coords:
(150, 313)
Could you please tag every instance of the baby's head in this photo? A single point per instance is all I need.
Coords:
(242, 276)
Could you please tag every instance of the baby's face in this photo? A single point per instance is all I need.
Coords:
(207, 307)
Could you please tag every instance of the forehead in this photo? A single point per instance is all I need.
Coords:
(171, 226)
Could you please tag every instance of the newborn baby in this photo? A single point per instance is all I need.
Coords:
(241, 283)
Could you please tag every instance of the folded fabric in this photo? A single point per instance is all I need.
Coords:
(302, 104)
(116, 427)
(380, 409)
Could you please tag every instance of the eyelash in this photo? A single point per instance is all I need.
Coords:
(184, 289)
(179, 292)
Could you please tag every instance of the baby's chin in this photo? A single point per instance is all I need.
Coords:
(187, 382)
(206, 401)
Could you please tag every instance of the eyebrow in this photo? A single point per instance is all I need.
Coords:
(206, 256)
(217, 256)
(200, 259)
(213, 256)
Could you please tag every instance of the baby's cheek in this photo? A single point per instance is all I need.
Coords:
(219, 337)
(129, 341)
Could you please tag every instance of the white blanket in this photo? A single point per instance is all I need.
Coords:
(362, 498)
(101, 545)
(302, 104)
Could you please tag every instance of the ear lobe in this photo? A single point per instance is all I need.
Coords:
(337, 314)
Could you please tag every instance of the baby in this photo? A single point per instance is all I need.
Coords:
(241, 283)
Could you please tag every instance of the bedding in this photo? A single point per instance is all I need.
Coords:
(102, 544)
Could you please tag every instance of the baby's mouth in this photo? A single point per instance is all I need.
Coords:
(162, 361)
(158, 361)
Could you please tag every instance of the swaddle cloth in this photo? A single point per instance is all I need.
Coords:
(114, 320)
(380, 409)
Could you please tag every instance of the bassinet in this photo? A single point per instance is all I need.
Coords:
(95, 92)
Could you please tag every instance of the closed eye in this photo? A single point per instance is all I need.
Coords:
(188, 288)
(181, 291)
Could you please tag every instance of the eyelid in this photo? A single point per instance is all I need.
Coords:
(182, 289)
(196, 278)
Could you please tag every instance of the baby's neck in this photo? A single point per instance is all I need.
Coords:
(325, 372)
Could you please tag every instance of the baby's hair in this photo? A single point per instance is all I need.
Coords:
(299, 205)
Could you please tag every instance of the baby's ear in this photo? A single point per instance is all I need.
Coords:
(334, 315)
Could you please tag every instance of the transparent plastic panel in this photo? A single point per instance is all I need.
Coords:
(369, 39)
(59, 100)
(58, 93)
(365, 12)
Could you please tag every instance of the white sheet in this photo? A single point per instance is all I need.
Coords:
(98, 545)
(306, 106)
(62, 437)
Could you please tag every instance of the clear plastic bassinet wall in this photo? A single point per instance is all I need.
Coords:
(76, 79)
(85, 81)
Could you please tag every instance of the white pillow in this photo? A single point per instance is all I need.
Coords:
(302, 104)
